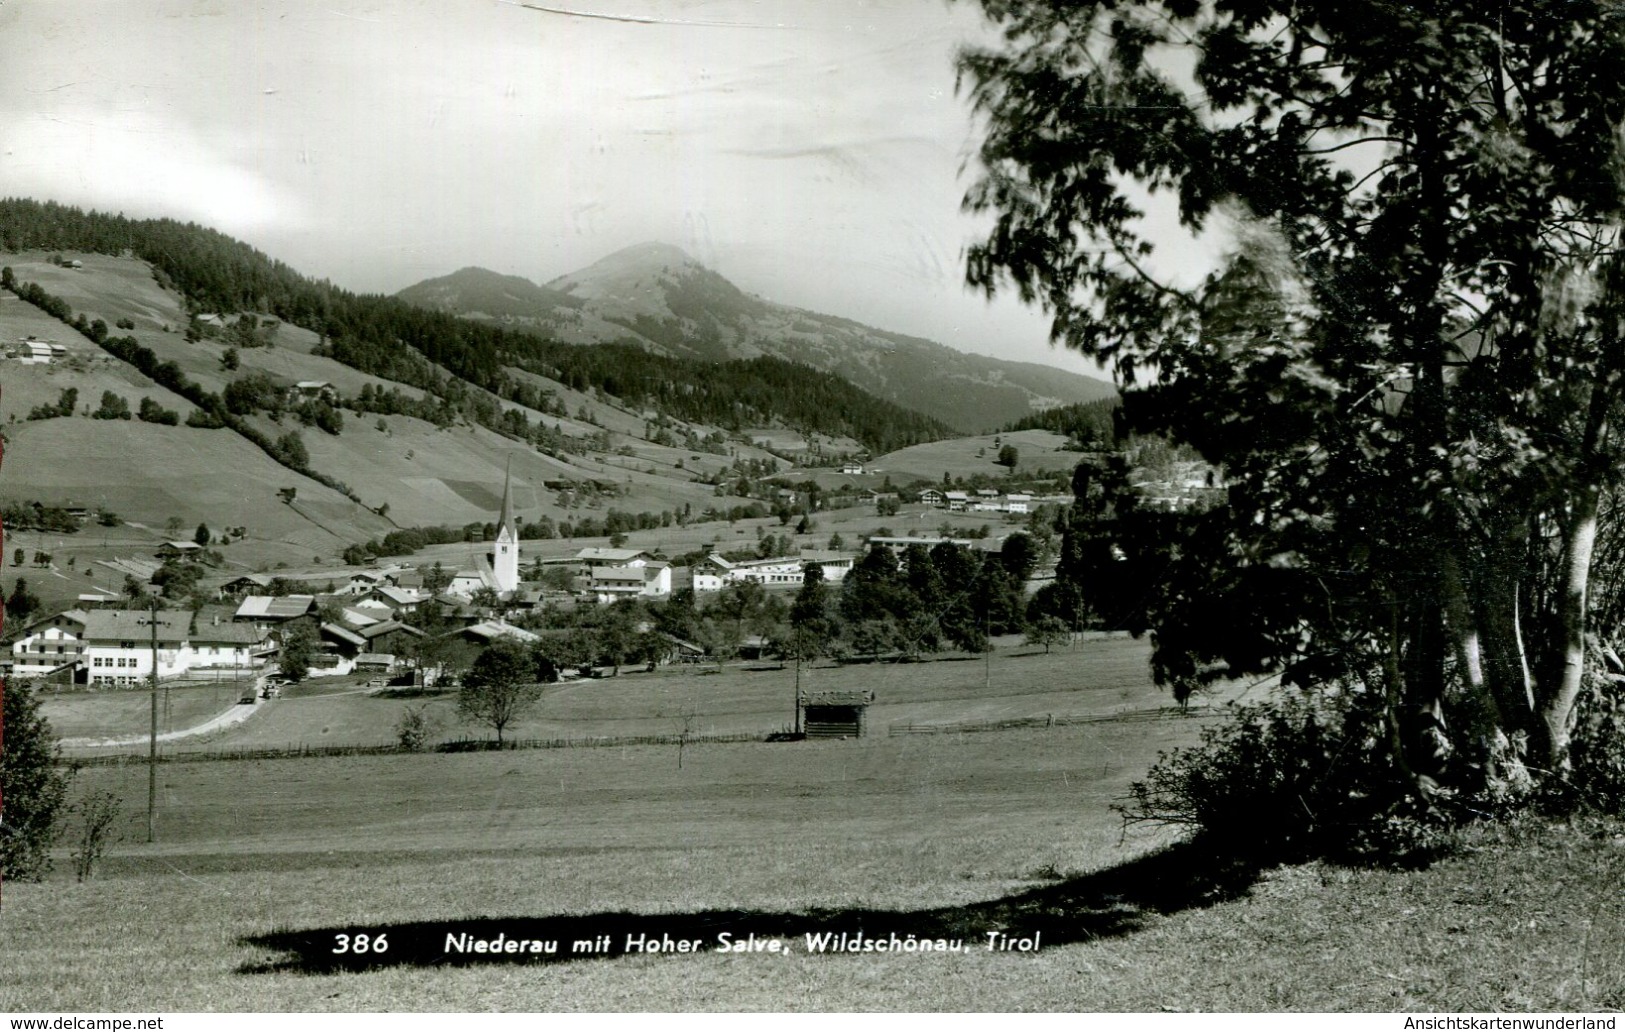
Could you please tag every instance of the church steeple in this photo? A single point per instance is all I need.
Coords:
(505, 522)
(505, 557)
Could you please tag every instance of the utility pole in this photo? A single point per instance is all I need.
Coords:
(152, 741)
(987, 654)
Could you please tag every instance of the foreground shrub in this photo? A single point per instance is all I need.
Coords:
(34, 786)
(1595, 781)
(1291, 780)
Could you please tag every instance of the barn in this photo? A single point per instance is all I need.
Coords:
(835, 714)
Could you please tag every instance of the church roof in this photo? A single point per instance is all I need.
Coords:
(505, 519)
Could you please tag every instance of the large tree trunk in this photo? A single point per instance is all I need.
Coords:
(1558, 701)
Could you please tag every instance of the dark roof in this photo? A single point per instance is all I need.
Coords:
(227, 634)
(838, 699)
(133, 625)
(343, 634)
(386, 627)
(687, 646)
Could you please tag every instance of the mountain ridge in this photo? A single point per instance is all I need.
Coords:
(660, 298)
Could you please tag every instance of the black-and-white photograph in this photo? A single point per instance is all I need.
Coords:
(858, 506)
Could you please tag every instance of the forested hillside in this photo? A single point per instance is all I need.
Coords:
(390, 338)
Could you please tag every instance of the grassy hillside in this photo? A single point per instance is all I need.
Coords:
(579, 430)
(425, 474)
(1039, 451)
(150, 473)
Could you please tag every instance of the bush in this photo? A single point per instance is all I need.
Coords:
(1290, 781)
(113, 407)
(415, 728)
(97, 813)
(150, 411)
(1596, 778)
(34, 786)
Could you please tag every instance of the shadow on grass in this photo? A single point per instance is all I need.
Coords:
(1102, 905)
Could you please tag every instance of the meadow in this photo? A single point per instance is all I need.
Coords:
(259, 865)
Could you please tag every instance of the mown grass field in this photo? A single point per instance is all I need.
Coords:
(123, 713)
(259, 865)
(754, 697)
(1037, 451)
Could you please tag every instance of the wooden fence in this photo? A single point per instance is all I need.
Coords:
(1048, 720)
(298, 751)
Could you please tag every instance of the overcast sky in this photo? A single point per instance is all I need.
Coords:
(809, 150)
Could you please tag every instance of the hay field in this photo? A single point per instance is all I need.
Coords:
(261, 865)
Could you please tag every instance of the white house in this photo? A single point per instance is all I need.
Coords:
(779, 570)
(33, 352)
(711, 573)
(46, 652)
(118, 647)
(396, 600)
(226, 645)
(595, 557)
(648, 579)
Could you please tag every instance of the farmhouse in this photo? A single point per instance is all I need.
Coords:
(47, 652)
(118, 644)
(488, 631)
(361, 582)
(596, 557)
(649, 579)
(178, 549)
(932, 497)
(34, 352)
(396, 600)
(71, 620)
(247, 584)
(341, 643)
(225, 645)
(711, 573)
(265, 611)
(390, 636)
(411, 580)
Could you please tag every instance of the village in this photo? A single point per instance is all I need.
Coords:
(407, 622)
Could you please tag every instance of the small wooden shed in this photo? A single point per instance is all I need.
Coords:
(835, 714)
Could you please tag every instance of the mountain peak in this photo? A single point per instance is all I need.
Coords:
(640, 261)
(654, 251)
(637, 276)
